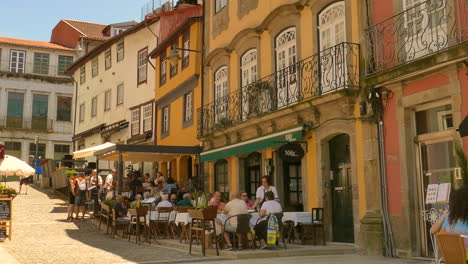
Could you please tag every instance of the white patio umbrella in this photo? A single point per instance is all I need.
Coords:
(11, 166)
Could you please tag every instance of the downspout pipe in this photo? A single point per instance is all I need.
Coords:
(75, 98)
(202, 79)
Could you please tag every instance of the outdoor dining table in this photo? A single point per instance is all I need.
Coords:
(297, 217)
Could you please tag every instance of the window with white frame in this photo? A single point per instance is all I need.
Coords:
(93, 106)
(17, 60)
(82, 74)
(82, 112)
(120, 50)
(186, 47)
(135, 122)
(142, 65)
(188, 106)
(107, 100)
(94, 67)
(108, 59)
(120, 94)
(286, 58)
(165, 121)
(221, 93)
(147, 117)
(219, 4)
(249, 67)
(162, 68)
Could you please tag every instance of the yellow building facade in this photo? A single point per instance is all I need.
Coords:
(281, 99)
(178, 95)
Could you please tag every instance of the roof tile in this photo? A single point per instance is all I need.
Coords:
(90, 30)
(32, 43)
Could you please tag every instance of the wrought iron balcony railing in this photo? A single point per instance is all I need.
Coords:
(22, 123)
(333, 69)
(422, 30)
(33, 68)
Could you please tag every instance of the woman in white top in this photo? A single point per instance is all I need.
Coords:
(265, 187)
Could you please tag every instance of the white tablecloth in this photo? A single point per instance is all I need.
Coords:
(298, 217)
(153, 215)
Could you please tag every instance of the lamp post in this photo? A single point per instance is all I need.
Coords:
(174, 55)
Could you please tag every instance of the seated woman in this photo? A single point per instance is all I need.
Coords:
(186, 201)
(270, 206)
(171, 185)
(137, 203)
(249, 203)
(120, 210)
(216, 201)
(457, 219)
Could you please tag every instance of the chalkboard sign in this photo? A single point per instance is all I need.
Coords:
(5, 210)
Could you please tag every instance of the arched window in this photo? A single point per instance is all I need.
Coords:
(286, 58)
(249, 67)
(221, 92)
(332, 32)
(332, 25)
(221, 181)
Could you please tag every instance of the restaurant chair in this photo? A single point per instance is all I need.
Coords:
(452, 248)
(163, 220)
(315, 230)
(203, 221)
(119, 223)
(184, 228)
(279, 216)
(243, 228)
(105, 213)
(138, 221)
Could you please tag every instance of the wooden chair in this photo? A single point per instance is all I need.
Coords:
(119, 222)
(315, 230)
(184, 228)
(138, 220)
(105, 213)
(202, 221)
(452, 248)
(163, 219)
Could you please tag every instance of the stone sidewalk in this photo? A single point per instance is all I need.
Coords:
(41, 235)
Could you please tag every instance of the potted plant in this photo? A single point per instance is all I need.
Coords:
(201, 209)
(11, 192)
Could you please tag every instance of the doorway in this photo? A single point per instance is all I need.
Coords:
(253, 174)
(341, 189)
(293, 187)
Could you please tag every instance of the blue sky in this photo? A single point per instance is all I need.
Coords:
(35, 19)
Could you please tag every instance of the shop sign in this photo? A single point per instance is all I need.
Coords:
(291, 152)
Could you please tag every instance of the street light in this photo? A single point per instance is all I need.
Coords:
(174, 55)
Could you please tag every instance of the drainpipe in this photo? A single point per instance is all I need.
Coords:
(201, 167)
(74, 118)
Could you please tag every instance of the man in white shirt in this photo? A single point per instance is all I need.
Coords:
(265, 187)
(109, 184)
(164, 201)
(95, 183)
(235, 207)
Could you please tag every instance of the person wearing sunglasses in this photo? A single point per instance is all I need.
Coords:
(249, 203)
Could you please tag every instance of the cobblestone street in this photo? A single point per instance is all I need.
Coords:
(41, 235)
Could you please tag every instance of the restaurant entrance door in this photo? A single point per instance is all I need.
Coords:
(342, 198)
(293, 187)
(252, 174)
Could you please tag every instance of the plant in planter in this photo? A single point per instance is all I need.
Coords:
(199, 201)
(259, 94)
(11, 192)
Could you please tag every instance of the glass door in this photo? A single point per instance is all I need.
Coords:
(437, 163)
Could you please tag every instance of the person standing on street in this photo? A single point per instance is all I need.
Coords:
(109, 184)
(95, 184)
(71, 196)
(80, 196)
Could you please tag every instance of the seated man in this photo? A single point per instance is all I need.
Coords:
(186, 201)
(137, 203)
(235, 207)
(217, 202)
(270, 206)
(164, 201)
(120, 210)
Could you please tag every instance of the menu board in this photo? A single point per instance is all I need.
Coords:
(5, 210)
(438, 193)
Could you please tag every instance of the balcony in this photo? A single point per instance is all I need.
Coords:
(333, 69)
(30, 68)
(421, 31)
(27, 124)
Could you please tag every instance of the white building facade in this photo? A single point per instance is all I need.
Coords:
(115, 90)
(36, 98)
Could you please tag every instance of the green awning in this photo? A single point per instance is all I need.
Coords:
(268, 141)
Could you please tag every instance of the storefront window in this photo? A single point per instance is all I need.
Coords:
(221, 177)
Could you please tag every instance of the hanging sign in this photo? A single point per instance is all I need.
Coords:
(291, 152)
